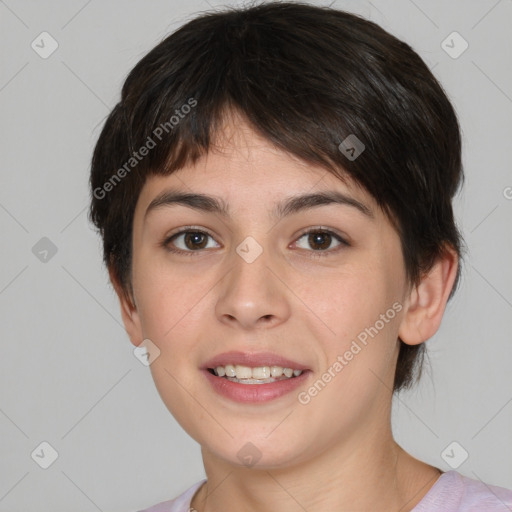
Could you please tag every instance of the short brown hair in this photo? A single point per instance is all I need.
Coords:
(305, 78)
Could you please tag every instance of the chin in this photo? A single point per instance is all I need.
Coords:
(251, 453)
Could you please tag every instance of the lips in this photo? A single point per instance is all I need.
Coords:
(255, 393)
(254, 359)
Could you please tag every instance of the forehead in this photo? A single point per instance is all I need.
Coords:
(242, 166)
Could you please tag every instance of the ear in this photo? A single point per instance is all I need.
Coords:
(427, 301)
(129, 312)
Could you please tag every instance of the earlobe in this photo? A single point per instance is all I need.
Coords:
(427, 301)
(129, 313)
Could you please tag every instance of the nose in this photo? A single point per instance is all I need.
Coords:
(252, 294)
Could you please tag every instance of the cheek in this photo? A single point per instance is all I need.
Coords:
(357, 373)
(345, 302)
(173, 312)
(358, 312)
(171, 305)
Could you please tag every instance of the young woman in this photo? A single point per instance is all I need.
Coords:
(274, 192)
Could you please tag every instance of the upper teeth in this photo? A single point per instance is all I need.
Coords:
(260, 372)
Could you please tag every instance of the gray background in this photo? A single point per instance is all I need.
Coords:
(68, 375)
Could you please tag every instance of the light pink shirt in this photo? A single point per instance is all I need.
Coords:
(452, 492)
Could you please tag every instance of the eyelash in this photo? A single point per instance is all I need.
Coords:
(314, 253)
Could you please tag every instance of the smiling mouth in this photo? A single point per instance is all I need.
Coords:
(258, 375)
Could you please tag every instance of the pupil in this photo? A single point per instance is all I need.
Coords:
(318, 238)
(193, 239)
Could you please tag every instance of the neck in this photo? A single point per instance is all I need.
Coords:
(352, 476)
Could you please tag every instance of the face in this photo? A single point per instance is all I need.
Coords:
(319, 283)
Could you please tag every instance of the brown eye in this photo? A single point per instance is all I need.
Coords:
(321, 241)
(188, 241)
(195, 240)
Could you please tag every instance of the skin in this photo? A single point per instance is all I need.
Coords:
(337, 452)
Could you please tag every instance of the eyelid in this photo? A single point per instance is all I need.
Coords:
(323, 229)
(184, 229)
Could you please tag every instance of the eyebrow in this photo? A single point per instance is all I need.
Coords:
(289, 206)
